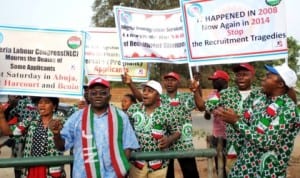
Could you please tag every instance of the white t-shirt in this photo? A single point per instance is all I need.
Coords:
(245, 94)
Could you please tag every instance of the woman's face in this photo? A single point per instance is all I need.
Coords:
(46, 107)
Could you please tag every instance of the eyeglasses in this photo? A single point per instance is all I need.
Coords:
(100, 93)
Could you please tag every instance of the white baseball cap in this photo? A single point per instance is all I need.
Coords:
(285, 72)
(153, 84)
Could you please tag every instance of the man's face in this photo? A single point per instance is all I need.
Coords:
(219, 84)
(171, 84)
(150, 96)
(270, 82)
(99, 96)
(243, 79)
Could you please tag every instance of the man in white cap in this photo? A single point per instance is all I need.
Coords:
(184, 103)
(101, 135)
(269, 125)
(156, 129)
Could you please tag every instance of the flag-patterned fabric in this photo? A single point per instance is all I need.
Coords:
(269, 131)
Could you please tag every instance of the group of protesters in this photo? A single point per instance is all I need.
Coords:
(257, 126)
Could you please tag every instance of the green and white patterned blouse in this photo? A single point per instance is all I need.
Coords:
(269, 127)
(27, 128)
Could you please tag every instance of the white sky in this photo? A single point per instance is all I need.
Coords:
(46, 13)
(78, 13)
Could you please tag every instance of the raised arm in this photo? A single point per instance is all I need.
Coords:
(126, 78)
(196, 89)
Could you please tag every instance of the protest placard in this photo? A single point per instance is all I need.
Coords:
(150, 35)
(102, 57)
(234, 31)
(41, 62)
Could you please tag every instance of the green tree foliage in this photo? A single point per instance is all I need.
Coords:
(156, 4)
(103, 9)
(104, 17)
(294, 48)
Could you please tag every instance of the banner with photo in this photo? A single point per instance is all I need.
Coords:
(234, 31)
(41, 62)
(150, 36)
(102, 57)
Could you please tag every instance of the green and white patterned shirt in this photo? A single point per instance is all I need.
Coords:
(269, 127)
(162, 121)
(184, 103)
(231, 98)
(30, 128)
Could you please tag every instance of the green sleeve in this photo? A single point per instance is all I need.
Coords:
(281, 127)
